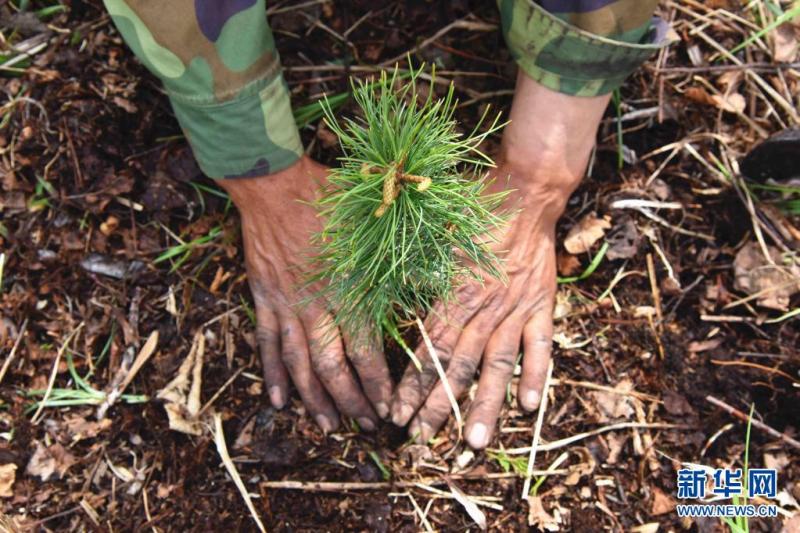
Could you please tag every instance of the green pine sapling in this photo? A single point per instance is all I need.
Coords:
(406, 212)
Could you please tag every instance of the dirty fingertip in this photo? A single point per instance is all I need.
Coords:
(276, 397)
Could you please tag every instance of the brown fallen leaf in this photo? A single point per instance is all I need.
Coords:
(732, 102)
(538, 517)
(774, 284)
(662, 503)
(8, 474)
(182, 394)
(624, 239)
(613, 406)
(778, 461)
(785, 41)
(677, 404)
(585, 233)
(46, 461)
(9, 524)
(567, 264)
(79, 428)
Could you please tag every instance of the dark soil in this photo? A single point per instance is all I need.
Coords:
(96, 127)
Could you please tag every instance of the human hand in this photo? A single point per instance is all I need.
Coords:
(487, 321)
(545, 151)
(294, 336)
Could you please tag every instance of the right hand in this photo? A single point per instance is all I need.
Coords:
(294, 336)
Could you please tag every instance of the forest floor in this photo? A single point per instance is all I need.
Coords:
(108, 234)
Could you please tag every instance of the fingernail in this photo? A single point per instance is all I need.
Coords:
(531, 400)
(324, 422)
(365, 423)
(402, 414)
(276, 397)
(426, 432)
(478, 436)
(382, 409)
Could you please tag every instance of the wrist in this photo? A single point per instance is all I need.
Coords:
(537, 188)
(296, 182)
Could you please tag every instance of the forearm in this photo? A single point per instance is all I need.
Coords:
(572, 54)
(219, 65)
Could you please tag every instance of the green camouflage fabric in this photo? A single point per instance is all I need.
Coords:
(581, 47)
(218, 62)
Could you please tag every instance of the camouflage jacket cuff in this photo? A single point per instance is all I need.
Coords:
(250, 135)
(568, 59)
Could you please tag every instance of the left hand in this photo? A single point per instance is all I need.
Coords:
(491, 320)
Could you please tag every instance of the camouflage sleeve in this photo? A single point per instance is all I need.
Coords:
(581, 47)
(218, 62)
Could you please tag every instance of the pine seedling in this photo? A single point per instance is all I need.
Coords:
(407, 213)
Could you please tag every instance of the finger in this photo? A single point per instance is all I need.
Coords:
(537, 346)
(417, 382)
(330, 366)
(296, 358)
(366, 354)
(460, 375)
(444, 326)
(499, 361)
(268, 336)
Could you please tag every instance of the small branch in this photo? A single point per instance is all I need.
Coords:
(756, 67)
(144, 355)
(550, 446)
(526, 487)
(456, 24)
(760, 425)
(345, 486)
(219, 440)
(442, 376)
(13, 352)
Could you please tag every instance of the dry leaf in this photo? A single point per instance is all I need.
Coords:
(585, 467)
(778, 461)
(785, 41)
(615, 445)
(774, 284)
(567, 264)
(8, 474)
(613, 406)
(79, 428)
(699, 95)
(46, 461)
(662, 503)
(624, 240)
(730, 80)
(182, 394)
(538, 517)
(677, 404)
(732, 102)
(585, 233)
